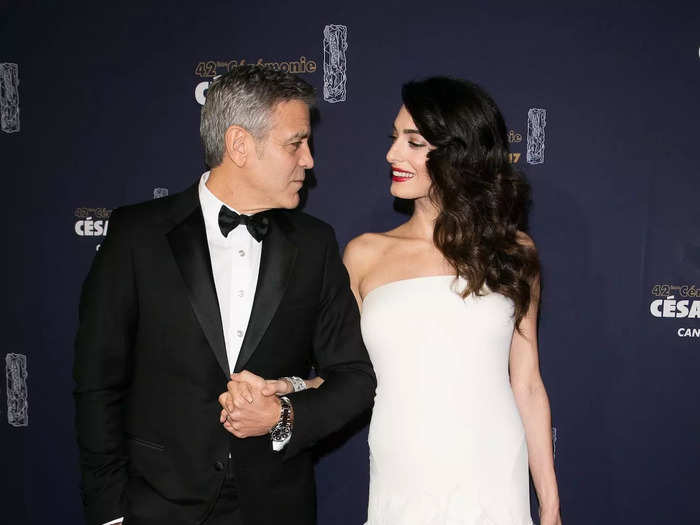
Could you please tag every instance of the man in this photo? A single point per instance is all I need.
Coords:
(218, 279)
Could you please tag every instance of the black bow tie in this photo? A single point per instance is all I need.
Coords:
(257, 224)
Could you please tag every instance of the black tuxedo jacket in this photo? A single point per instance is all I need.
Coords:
(150, 363)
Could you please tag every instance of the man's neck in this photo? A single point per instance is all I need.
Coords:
(226, 187)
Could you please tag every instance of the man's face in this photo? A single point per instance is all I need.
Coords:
(277, 170)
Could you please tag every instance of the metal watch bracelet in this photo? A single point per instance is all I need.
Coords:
(283, 429)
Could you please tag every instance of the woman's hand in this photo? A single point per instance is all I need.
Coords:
(240, 385)
(280, 387)
(550, 516)
(314, 383)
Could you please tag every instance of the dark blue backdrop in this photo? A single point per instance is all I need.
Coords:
(107, 113)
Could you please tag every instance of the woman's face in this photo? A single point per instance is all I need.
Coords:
(407, 156)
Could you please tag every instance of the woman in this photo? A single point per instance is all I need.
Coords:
(449, 316)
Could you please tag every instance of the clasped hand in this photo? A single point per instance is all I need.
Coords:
(250, 406)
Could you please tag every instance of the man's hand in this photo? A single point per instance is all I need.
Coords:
(250, 406)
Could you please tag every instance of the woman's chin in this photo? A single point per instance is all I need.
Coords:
(403, 192)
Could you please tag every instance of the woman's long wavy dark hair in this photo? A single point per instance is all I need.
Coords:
(483, 200)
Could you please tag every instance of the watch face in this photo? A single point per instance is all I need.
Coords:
(280, 434)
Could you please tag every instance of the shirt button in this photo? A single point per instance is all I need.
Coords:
(241, 253)
(239, 333)
(241, 293)
(219, 465)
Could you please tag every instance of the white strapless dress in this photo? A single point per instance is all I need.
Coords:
(447, 444)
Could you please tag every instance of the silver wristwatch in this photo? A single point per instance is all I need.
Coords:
(283, 429)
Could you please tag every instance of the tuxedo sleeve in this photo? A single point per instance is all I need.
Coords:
(349, 381)
(107, 314)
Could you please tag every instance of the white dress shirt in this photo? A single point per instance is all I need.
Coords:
(235, 261)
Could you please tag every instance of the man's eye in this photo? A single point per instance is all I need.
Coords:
(296, 144)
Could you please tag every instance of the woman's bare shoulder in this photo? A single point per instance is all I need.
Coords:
(364, 249)
(363, 253)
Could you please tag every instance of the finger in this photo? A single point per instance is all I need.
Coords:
(276, 386)
(268, 390)
(238, 393)
(284, 386)
(228, 398)
(240, 376)
(222, 400)
(231, 425)
(251, 378)
(248, 392)
(244, 394)
(223, 416)
(238, 401)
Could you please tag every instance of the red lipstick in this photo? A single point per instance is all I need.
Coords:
(399, 178)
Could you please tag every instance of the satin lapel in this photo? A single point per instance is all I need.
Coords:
(276, 263)
(188, 242)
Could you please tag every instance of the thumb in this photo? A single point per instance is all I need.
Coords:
(276, 386)
(269, 389)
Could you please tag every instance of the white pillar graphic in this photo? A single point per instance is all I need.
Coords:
(536, 122)
(160, 192)
(17, 394)
(9, 97)
(335, 43)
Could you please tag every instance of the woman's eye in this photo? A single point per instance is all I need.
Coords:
(415, 144)
(392, 137)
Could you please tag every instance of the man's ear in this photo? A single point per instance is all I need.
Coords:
(238, 145)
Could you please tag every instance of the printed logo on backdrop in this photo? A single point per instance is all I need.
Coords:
(91, 223)
(514, 138)
(159, 193)
(94, 222)
(9, 97)
(335, 44)
(210, 69)
(535, 138)
(679, 302)
(17, 392)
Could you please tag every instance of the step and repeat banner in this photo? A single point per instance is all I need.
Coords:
(100, 108)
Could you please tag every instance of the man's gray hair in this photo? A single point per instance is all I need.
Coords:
(246, 97)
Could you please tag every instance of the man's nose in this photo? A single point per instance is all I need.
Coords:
(306, 160)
